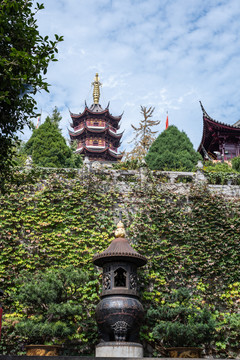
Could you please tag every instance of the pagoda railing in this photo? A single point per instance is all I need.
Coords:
(96, 123)
(96, 144)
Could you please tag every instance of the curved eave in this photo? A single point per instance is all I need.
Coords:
(80, 150)
(119, 249)
(75, 133)
(80, 131)
(209, 125)
(88, 111)
(94, 150)
(80, 115)
(113, 153)
(217, 124)
(115, 134)
(101, 260)
(220, 126)
(115, 118)
(95, 131)
(85, 112)
(91, 149)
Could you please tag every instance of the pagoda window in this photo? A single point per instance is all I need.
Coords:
(95, 142)
(95, 123)
(120, 276)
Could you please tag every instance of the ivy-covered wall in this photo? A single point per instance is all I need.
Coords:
(191, 240)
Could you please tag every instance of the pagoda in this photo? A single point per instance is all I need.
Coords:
(95, 130)
(219, 141)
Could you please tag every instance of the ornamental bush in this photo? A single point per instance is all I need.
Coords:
(236, 163)
(172, 150)
(47, 147)
(221, 173)
(51, 304)
(181, 321)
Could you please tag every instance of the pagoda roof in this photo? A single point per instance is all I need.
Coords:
(211, 127)
(237, 124)
(95, 109)
(95, 150)
(118, 250)
(78, 132)
(95, 131)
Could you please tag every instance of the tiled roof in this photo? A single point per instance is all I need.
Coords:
(119, 249)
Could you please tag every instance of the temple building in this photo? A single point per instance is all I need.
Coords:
(219, 141)
(95, 130)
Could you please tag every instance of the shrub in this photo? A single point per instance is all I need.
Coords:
(180, 323)
(172, 150)
(52, 306)
(236, 163)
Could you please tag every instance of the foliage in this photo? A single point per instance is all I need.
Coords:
(76, 160)
(24, 57)
(228, 328)
(144, 135)
(218, 167)
(50, 227)
(236, 163)
(52, 305)
(179, 322)
(56, 117)
(133, 164)
(172, 150)
(48, 147)
(20, 155)
(52, 218)
(221, 174)
(181, 239)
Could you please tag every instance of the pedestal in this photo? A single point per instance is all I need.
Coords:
(119, 350)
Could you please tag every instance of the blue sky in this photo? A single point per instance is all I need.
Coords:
(168, 54)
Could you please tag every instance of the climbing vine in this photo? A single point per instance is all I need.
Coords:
(55, 220)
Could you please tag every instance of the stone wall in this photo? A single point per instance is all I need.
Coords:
(175, 181)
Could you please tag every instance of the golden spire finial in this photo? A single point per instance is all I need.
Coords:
(96, 89)
(120, 232)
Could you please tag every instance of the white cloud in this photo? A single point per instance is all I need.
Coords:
(167, 54)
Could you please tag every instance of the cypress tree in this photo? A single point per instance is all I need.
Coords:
(48, 147)
(172, 150)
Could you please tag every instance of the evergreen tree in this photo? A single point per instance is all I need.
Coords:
(172, 150)
(76, 160)
(236, 163)
(56, 117)
(20, 157)
(144, 135)
(24, 58)
(52, 304)
(48, 147)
